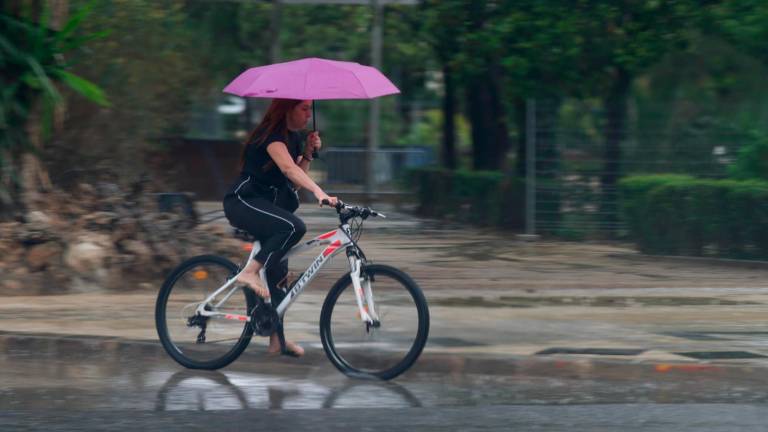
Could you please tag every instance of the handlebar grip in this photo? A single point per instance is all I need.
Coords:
(315, 154)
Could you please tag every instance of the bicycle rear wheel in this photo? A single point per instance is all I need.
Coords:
(384, 352)
(193, 340)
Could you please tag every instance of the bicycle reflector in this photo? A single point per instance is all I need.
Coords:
(200, 275)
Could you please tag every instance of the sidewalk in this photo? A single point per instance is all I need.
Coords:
(492, 296)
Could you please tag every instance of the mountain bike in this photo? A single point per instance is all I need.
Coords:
(374, 321)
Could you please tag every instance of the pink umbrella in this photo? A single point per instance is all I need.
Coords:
(312, 78)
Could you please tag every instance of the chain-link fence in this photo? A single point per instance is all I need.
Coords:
(574, 183)
(342, 169)
(207, 168)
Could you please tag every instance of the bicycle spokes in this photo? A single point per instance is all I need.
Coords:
(203, 332)
(375, 344)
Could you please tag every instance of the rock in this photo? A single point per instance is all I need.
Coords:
(38, 229)
(38, 218)
(19, 271)
(40, 256)
(87, 256)
(12, 285)
(125, 229)
(100, 220)
(142, 254)
(8, 230)
(86, 188)
(107, 189)
(99, 239)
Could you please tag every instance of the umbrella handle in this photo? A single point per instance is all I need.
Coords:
(315, 154)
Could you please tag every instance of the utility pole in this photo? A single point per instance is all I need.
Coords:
(374, 113)
(274, 45)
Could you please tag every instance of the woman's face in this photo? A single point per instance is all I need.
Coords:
(299, 116)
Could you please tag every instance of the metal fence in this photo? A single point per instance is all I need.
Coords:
(569, 177)
(342, 169)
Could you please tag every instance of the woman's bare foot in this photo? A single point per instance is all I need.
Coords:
(293, 348)
(254, 282)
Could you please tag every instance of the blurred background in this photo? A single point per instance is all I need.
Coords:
(641, 121)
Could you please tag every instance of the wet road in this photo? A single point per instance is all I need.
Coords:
(525, 336)
(88, 383)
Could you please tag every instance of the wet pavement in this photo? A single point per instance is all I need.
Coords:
(86, 373)
(529, 336)
(89, 383)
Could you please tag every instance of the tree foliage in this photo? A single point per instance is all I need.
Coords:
(35, 62)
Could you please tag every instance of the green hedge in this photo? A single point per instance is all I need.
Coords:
(681, 215)
(479, 197)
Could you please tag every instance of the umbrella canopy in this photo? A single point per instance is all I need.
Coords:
(312, 78)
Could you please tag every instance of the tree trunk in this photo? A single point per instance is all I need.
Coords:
(448, 155)
(501, 131)
(489, 132)
(521, 121)
(34, 177)
(615, 130)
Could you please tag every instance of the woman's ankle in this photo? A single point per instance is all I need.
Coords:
(253, 266)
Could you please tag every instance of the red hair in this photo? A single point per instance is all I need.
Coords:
(275, 121)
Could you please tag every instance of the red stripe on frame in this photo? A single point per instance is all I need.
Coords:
(326, 235)
(329, 250)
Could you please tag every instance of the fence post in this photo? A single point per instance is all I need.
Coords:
(530, 167)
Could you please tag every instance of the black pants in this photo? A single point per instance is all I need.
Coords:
(277, 229)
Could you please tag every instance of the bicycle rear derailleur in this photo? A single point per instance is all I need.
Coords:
(199, 321)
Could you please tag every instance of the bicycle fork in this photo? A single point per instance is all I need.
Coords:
(363, 293)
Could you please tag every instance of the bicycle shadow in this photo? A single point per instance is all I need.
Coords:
(212, 390)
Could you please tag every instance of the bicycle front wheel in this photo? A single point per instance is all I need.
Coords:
(194, 340)
(390, 347)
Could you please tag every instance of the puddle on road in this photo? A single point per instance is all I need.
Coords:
(721, 355)
(86, 374)
(599, 301)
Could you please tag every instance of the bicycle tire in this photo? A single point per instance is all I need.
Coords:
(343, 362)
(161, 322)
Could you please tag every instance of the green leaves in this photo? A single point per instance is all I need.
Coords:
(84, 87)
(32, 63)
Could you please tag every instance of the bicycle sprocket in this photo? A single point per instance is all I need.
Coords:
(264, 318)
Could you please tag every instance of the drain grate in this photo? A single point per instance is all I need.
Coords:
(593, 351)
(719, 355)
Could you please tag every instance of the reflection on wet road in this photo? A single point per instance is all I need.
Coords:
(85, 383)
(77, 373)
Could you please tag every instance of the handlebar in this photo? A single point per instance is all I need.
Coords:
(347, 212)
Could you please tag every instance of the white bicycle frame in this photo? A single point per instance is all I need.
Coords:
(336, 241)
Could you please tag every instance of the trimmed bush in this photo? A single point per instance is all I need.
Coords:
(479, 197)
(681, 215)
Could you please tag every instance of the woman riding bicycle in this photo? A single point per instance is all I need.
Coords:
(263, 199)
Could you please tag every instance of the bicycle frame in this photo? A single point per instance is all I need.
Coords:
(336, 241)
